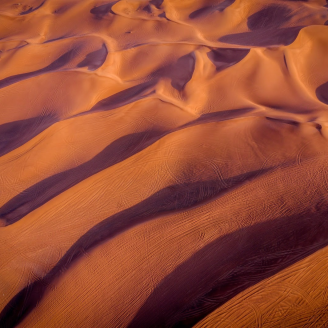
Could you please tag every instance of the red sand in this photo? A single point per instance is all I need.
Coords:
(163, 163)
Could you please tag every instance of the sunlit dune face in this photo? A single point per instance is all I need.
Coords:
(163, 163)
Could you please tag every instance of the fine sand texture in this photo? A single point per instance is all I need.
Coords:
(163, 163)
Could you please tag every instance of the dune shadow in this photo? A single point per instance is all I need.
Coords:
(147, 9)
(172, 198)
(122, 98)
(230, 265)
(263, 37)
(285, 121)
(223, 58)
(63, 37)
(102, 10)
(15, 134)
(322, 93)
(57, 64)
(30, 10)
(40, 193)
(94, 59)
(209, 9)
(180, 72)
(220, 116)
(272, 16)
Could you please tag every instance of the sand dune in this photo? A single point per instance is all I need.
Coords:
(163, 163)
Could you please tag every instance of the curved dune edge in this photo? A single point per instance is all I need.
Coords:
(297, 293)
(163, 163)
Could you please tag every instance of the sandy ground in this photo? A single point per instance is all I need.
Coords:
(163, 163)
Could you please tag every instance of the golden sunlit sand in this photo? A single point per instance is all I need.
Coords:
(163, 163)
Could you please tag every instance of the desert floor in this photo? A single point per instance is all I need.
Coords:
(163, 163)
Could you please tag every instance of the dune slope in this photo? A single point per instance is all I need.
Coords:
(163, 163)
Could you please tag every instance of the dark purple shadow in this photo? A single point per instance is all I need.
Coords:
(322, 93)
(122, 98)
(103, 10)
(172, 198)
(95, 59)
(272, 16)
(264, 38)
(119, 150)
(15, 134)
(222, 58)
(57, 64)
(40, 193)
(179, 72)
(209, 9)
(32, 9)
(230, 265)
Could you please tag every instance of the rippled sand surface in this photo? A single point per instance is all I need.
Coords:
(163, 163)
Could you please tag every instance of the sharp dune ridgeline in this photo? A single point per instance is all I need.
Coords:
(163, 163)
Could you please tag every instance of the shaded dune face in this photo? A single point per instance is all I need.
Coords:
(270, 17)
(223, 58)
(172, 198)
(207, 10)
(57, 64)
(180, 72)
(118, 151)
(221, 116)
(266, 28)
(223, 283)
(15, 134)
(30, 10)
(123, 97)
(263, 38)
(162, 162)
(45, 190)
(93, 61)
(322, 93)
(102, 10)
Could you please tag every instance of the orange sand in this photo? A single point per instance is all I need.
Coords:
(163, 163)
